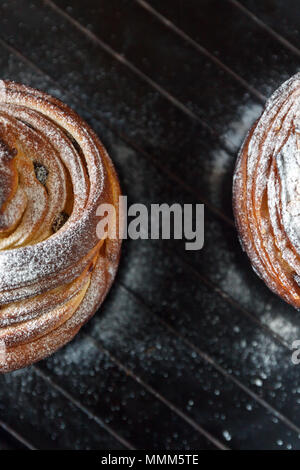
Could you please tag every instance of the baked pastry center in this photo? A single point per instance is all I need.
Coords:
(54, 271)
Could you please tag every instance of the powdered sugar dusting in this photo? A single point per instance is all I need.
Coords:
(267, 192)
(3, 353)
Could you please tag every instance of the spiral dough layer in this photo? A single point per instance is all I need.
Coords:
(266, 193)
(54, 270)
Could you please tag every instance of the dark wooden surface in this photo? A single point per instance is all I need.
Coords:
(190, 350)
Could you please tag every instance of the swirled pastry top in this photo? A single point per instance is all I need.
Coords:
(54, 174)
(266, 193)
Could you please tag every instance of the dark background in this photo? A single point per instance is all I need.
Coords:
(190, 349)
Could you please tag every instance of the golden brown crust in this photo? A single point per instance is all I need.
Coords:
(266, 193)
(54, 271)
